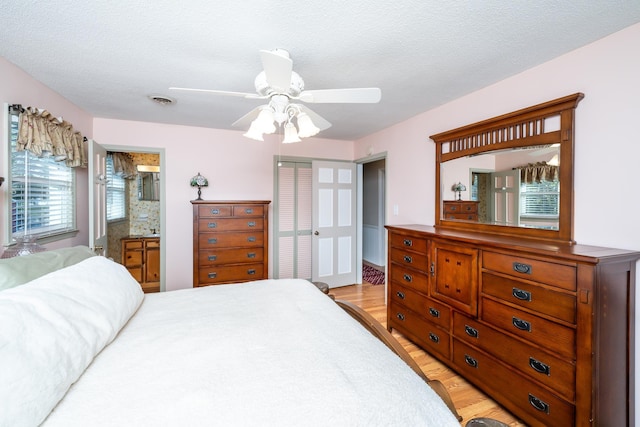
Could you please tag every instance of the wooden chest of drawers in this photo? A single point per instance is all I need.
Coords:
(460, 209)
(543, 328)
(230, 241)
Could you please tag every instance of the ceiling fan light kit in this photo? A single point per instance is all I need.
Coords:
(280, 84)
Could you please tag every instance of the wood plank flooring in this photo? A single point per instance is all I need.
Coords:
(470, 402)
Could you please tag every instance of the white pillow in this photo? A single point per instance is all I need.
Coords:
(51, 329)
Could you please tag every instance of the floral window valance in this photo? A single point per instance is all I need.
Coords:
(537, 172)
(123, 165)
(45, 135)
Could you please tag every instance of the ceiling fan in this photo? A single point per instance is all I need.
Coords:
(284, 88)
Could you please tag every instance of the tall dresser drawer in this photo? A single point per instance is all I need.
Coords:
(410, 278)
(410, 259)
(430, 309)
(230, 273)
(562, 276)
(231, 224)
(214, 211)
(412, 243)
(428, 333)
(534, 329)
(225, 240)
(532, 297)
(231, 256)
(516, 393)
(242, 210)
(530, 361)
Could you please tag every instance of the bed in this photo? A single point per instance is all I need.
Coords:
(83, 346)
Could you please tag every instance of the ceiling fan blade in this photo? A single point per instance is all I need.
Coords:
(277, 69)
(317, 120)
(220, 92)
(367, 95)
(245, 121)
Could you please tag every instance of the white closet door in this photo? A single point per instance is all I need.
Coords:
(334, 223)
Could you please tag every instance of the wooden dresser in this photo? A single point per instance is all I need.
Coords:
(460, 209)
(543, 328)
(141, 256)
(230, 241)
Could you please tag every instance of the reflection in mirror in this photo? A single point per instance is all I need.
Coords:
(516, 187)
(148, 182)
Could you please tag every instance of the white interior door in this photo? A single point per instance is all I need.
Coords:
(97, 198)
(334, 223)
(505, 193)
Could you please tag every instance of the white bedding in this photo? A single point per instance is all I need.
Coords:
(266, 353)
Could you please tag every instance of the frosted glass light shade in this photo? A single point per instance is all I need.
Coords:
(306, 128)
(290, 134)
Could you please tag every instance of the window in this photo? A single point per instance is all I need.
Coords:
(116, 197)
(540, 199)
(42, 192)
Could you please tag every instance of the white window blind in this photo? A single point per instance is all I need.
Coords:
(540, 199)
(42, 192)
(116, 200)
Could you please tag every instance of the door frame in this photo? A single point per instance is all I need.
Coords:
(163, 199)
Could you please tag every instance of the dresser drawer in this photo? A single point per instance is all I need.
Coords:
(214, 211)
(416, 244)
(515, 392)
(134, 244)
(426, 307)
(227, 240)
(232, 273)
(552, 371)
(152, 243)
(430, 335)
(133, 257)
(562, 276)
(409, 278)
(460, 207)
(410, 259)
(531, 328)
(533, 297)
(242, 210)
(231, 256)
(230, 224)
(465, 216)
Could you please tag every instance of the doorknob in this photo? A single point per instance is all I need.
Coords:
(317, 233)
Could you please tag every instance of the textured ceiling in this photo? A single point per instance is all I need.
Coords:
(107, 57)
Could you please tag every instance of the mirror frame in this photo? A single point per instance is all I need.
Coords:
(521, 128)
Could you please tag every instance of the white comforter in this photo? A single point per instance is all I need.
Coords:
(266, 353)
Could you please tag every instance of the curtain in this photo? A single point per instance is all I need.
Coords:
(537, 172)
(45, 135)
(123, 165)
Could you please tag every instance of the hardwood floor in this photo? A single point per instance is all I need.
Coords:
(470, 402)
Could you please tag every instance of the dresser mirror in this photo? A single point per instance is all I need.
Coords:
(511, 175)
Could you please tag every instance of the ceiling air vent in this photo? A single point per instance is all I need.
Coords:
(162, 100)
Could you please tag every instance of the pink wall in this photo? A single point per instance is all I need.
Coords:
(237, 168)
(17, 87)
(606, 152)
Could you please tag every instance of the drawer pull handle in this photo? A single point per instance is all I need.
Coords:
(251, 224)
(251, 272)
(407, 277)
(538, 404)
(400, 294)
(212, 275)
(470, 361)
(540, 367)
(520, 294)
(433, 312)
(400, 316)
(408, 259)
(212, 257)
(521, 268)
(433, 337)
(215, 211)
(523, 325)
(251, 255)
(251, 239)
(472, 332)
(248, 211)
(212, 241)
(212, 224)
(407, 242)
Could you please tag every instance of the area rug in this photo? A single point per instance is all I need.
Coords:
(371, 275)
